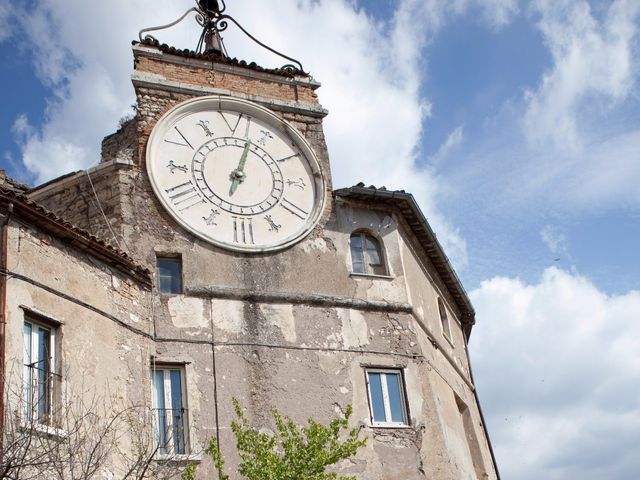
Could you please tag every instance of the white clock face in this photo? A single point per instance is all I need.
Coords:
(235, 174)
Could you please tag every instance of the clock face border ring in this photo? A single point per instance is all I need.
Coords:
(227, 103)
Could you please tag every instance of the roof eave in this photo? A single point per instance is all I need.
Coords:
(37, 215)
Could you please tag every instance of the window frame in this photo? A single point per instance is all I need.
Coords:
(170, 449)
(445, 320)
(31, 383)
(385, 397)
(173, 258)
(369, 271)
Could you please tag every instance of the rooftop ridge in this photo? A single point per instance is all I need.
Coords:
(287, 71)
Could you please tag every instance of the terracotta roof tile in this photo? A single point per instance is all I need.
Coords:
(11, 183)
(287, 71)
(56, 225)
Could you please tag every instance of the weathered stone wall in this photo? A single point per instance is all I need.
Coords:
(121, 146)
(100, 318)
(292, 329)
(91, 200)
(307, 360)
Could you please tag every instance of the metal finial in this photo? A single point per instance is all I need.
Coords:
(210, 38)
(209, 5)
(211, 17)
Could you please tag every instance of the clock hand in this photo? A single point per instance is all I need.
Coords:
(238, 174)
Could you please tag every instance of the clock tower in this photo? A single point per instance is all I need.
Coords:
(234, 152)
(268, 285)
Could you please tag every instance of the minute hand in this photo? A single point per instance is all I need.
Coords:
(238, 175)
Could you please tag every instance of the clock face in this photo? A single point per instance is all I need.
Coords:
(235, 174)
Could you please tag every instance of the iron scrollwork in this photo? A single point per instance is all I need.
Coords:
(209, 14)
(163, 27)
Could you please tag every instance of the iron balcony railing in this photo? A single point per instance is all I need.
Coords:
(41, 388)
(171, 430)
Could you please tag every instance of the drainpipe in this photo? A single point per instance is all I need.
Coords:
(4, 234)
(484, 424)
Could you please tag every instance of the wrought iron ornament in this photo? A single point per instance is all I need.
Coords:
(211, 17)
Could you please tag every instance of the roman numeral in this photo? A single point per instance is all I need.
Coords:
(246, 129)
(290, 156)
(184, 196)
(186, 142)
(237, 123)
(242, 230)
(294, 209)
(233, 129)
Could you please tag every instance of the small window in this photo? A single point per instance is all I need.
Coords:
(40, 381)
(366, 254)
(169, 274)
(386, 398)
(169, 411)
(444, 320)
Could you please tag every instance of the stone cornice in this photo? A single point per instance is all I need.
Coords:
(154, 81)
(245, 71)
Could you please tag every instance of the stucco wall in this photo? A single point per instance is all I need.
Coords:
(100, 362)
(309, 361)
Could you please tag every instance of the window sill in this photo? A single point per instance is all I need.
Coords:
(387, 426)
(179, 458)
(372, 276)
(42, 429)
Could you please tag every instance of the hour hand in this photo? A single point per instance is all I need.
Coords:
(237, 176)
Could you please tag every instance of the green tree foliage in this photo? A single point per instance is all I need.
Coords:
(293, 452)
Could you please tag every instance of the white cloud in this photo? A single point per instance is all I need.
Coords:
(558, 367)
(555, 239)
(21, 128)
(592, 63)
(5, 21)
(607, 172)
(451, 144)
(80, 50)
(576, 150)
(602, 176)
(499, 13)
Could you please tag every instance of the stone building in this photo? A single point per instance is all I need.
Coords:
(245, 276)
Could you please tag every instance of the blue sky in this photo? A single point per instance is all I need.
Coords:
(28, 95)
(515, 124)
(472, 72)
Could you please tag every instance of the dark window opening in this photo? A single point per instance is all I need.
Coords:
(366, 254)
(169, 274)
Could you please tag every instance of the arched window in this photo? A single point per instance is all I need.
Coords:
(444, 320)
(366, 254)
